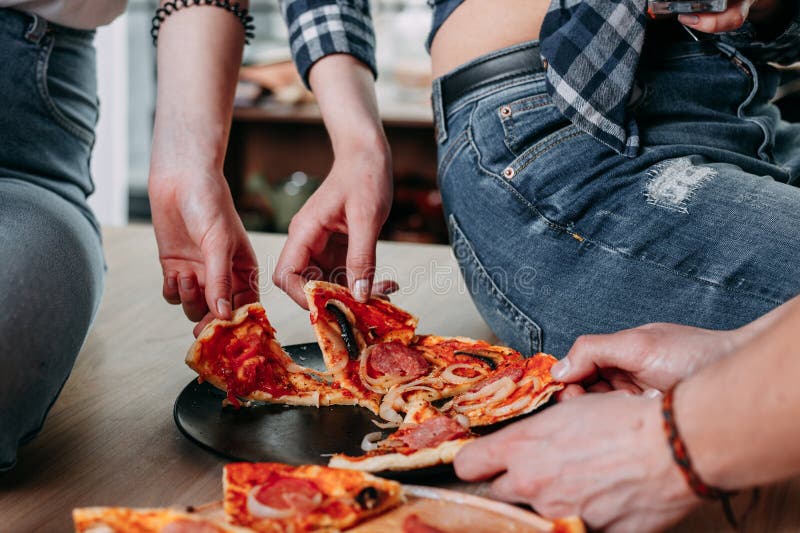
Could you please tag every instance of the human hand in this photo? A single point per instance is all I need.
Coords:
(602, 457)
(333, 236)
(653, 357)
(208, 263)
(762, 12)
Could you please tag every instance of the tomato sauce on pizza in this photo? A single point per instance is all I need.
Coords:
(376, 319)
(243, 356)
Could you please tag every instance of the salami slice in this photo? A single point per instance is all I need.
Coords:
(396, 359)
(431, 433)
(302, 495)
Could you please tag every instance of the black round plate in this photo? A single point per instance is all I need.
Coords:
(280, 433)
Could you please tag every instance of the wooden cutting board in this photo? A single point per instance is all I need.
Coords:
(457, 512)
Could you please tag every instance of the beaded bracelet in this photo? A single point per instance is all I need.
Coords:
(681, 456)
(171, 7)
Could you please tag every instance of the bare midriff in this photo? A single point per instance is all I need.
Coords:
(478, 27)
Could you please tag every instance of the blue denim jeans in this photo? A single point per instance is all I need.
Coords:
(50, 254)
(558, 236)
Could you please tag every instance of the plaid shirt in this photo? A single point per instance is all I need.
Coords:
(592, 49)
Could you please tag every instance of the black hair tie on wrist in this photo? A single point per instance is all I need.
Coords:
(171, 7)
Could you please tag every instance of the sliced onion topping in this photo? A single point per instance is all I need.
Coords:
(495, 388)
(463, 420)
(368, 443)
(450, 375)
(385, 425)
(517, 405)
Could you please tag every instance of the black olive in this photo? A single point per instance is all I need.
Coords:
(488, 360)
(346, 328)
(369, 498)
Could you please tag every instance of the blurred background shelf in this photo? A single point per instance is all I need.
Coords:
(280, 151)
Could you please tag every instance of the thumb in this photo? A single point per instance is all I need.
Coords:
(218, 281)
(363, 236)
(588, 353)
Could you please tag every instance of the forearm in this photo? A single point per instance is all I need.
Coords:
(345, 91)
(199, 53)
(757, 327)
(739, 415)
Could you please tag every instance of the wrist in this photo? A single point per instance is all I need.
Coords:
(369, 142)
(173, 181)
(664, 467)
(713, 467)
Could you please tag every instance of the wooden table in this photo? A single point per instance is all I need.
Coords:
(110, 439)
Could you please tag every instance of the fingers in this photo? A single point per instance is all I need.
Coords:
(620, 380)
(588, 353)
(599, 387)
(191, 296)
(219, 281)
(239, 299)
(484, 457)
(570, 391)
(729, 20)
(384, 288)
(294, 259)
(504, 488)
(200, 326)
(170, 288)
(363, 236)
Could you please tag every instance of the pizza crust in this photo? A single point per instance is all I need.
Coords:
(444, 453)
(128, 520)
(343, 487)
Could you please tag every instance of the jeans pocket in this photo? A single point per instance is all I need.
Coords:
(527, 120)
(489, 293)
(515, 127)
(67, 89)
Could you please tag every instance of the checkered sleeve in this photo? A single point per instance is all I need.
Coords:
(318, 28)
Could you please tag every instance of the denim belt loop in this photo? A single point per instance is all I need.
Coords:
(37, 29)
(439, 121)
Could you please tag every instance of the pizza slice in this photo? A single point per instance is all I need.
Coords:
(443, 367)
(242, 357)
(346, 328)
(208, 519)
(425, 438)
(276, 497)
(513, 389)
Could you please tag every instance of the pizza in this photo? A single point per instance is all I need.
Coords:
(346, 328)
(273, 497)
(278, 498)
(428, 390)
(426, 438)
(453, 364)
(513, 389)
(242, 357)
(487, 385)
(165, 520)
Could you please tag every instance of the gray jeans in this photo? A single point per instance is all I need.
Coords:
(51, 260)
